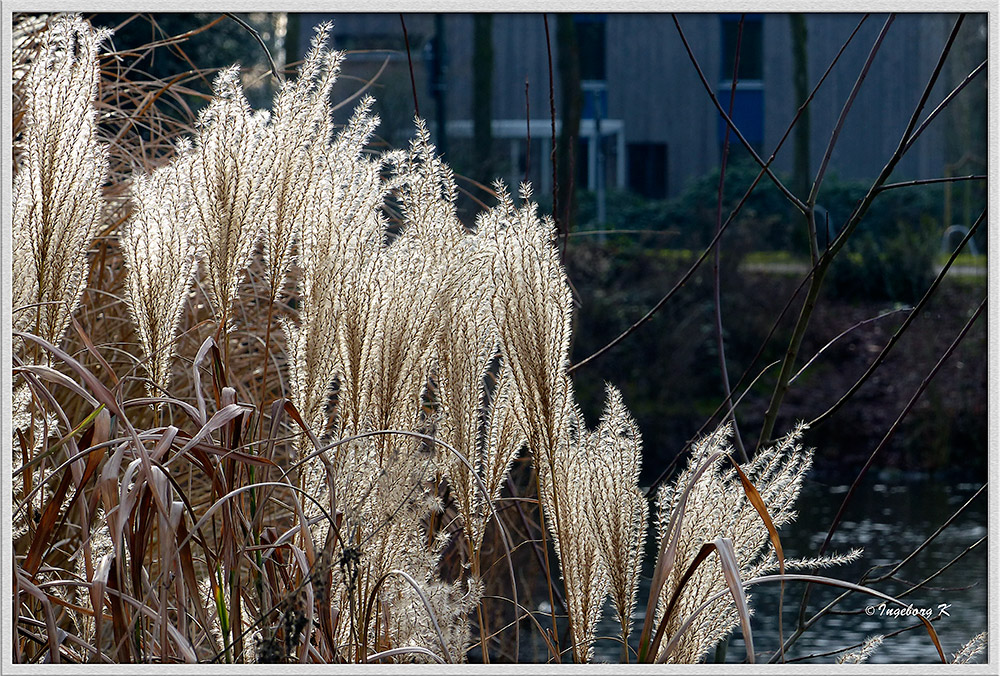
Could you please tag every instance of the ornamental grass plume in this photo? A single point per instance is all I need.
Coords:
(159, 250)
(342, 228)
(228, 175)
(869, 646)
(974, 647)
(57, 201)
(532, 309)
(300, 130)
(616, 508)
(716, 506)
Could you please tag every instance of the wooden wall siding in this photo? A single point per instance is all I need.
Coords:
(885, 100)
(653, 87)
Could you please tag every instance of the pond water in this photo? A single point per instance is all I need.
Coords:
(889, 518)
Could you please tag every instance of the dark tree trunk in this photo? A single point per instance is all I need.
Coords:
(572, 106)
(482, 96)
(800, 77)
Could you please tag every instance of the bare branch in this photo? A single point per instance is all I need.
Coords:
(765, 166)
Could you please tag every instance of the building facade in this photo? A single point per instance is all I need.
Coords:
(645, 98)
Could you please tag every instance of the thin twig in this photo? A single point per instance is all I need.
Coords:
(895, 425)
(944, 103)
(552, 117)
(791, 298)
(739, 206)
(829, 608)
(253, 31)
(930, 539)
(945, 567)
(899, 332)
(824, 262)
(361, 90)
(539, 554)
(821, 263)
(848, 104)
(716, 276)
(409, 60)
(830, 653)
(928, 181)
(843, 333)
(766, 166)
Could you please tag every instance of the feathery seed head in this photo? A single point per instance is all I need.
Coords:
(717, 506)
(862, 654)
(57, 200)
(158, 248)
(228, 174)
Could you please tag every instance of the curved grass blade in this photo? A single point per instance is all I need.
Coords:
(818, 579)
(753, 495)
(731, 571)
(666, 558)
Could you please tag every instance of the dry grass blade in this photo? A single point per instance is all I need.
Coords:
(51, 375)
(218, 420)
(731, 571)
(98, 437)
(93, 350)
(758, 503)
(59, 444)
(46, 527)
(208, 344)
(408, 650)
(730, 568)
(50, 621)
(101, 393)
(293, 413)
(665, 560)
(703, 553)
(119, 618)
(423, 599)
(98, 585)
(190, 410)
(224, 454)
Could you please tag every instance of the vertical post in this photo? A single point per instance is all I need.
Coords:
(572, 108)
(591, 158)
(545, 166)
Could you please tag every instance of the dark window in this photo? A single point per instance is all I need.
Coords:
(647, 169)
(751, 46)
(590, 42)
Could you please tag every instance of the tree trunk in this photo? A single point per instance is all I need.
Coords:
(572, 106)
(482, 96)
(800, 78)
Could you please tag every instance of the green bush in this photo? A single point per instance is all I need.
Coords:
(891, 254)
